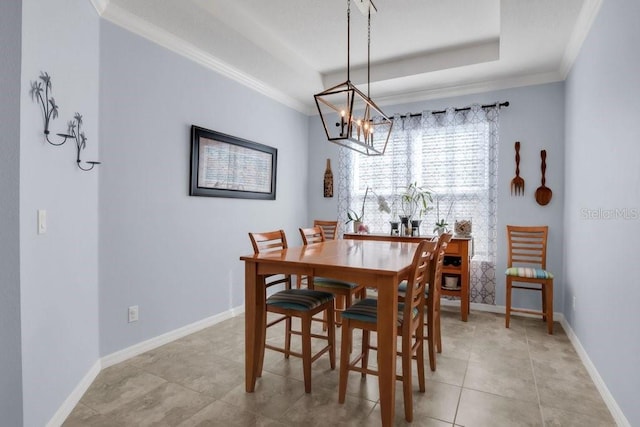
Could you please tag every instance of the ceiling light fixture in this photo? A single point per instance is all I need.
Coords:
(350, 118)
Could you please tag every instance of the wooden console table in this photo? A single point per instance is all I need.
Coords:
(458, 248)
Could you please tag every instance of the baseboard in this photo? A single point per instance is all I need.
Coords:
(72, 400)
(611, 403)
(150, 344)
(499, 309)
(120, 356)
(615, 410)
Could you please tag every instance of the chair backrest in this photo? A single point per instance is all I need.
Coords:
(312, 235)
(330, 228)
(527, 246)
(418, 277)
(438, 260)
(268, 242)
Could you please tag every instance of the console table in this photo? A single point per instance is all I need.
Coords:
(459, 250)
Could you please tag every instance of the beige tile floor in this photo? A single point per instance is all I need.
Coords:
(487, 375)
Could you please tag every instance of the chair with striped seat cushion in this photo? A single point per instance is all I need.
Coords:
(345, 292)
(363, 315)
(433, 334)
(527, 265)
(301, 303)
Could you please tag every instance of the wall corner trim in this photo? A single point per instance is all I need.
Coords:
(615, 410)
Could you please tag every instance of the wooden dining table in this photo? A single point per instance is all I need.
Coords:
(376, 264)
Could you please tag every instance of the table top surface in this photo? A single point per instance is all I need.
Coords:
(382, 257)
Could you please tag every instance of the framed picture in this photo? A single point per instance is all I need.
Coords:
(226, 166)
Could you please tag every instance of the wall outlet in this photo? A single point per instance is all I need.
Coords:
(133, 313)
(574, 302)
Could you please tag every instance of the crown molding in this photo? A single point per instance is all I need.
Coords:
(136, 25)
(100, 5)
(584, 22)
(469, 89)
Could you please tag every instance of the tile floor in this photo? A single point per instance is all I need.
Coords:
(487, 375)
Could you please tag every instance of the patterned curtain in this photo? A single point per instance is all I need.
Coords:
(453, 155)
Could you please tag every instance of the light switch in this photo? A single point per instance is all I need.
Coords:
(42, 221)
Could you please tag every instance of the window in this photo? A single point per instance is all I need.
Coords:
(452, 154)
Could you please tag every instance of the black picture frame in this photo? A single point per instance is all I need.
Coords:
(227, 166)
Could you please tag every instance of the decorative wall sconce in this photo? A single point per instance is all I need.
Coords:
(50, 112)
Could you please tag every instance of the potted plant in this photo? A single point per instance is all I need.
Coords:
(442, 225)
(358, 226)
(415, 203)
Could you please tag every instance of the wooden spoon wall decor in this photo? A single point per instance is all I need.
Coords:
(543, 193)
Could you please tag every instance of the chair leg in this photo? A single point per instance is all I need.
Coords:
(263, 341)
(332, 336)
(344, 360)
(544, 301)
(406, 377)
(437, 330)
(306, 351)
(420, 361)
(366, 344)
(430, 336)
(507, 317)
(287, 337)
(549, 308)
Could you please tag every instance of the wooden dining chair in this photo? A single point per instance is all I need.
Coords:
(363, 315)
(301, 303)
(432, 334)
(345, 292)
(527, 265)
(330, 228)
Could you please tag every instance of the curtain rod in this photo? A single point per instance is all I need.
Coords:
(500, 105)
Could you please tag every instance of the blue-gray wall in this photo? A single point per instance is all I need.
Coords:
(176, 256)
(59, 269)
(603, 174)
(10, 348)
(535, 117)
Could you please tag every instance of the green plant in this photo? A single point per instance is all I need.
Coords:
(383, 206)
(441, 223)
(415, 197)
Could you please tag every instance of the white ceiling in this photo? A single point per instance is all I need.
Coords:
(420, 49)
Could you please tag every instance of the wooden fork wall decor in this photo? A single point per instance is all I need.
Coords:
(517, 183)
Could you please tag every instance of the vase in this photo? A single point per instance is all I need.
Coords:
(328, 180)
(356, 226)
(395, 228)
(415, 227)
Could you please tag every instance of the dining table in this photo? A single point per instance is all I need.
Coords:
(381, 265)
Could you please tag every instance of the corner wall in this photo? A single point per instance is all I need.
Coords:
(602, 209)
(176, 256)
(59, 269)
(535, 117)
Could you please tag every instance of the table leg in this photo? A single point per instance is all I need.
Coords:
(387, 334)
(253, 328)
(464, 302)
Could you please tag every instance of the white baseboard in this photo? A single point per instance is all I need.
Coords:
(611, 403)
(72, 400)
(120, 356)
(499, 309)
(160, 340)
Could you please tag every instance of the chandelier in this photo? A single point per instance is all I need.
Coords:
(350, 118)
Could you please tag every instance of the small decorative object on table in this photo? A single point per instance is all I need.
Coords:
(442, 226)
(462, 228)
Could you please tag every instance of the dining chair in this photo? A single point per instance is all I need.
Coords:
(527, 265)
(363, 315)
(345, 292)
(330, 228)
(433, 335)
(303, 304)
